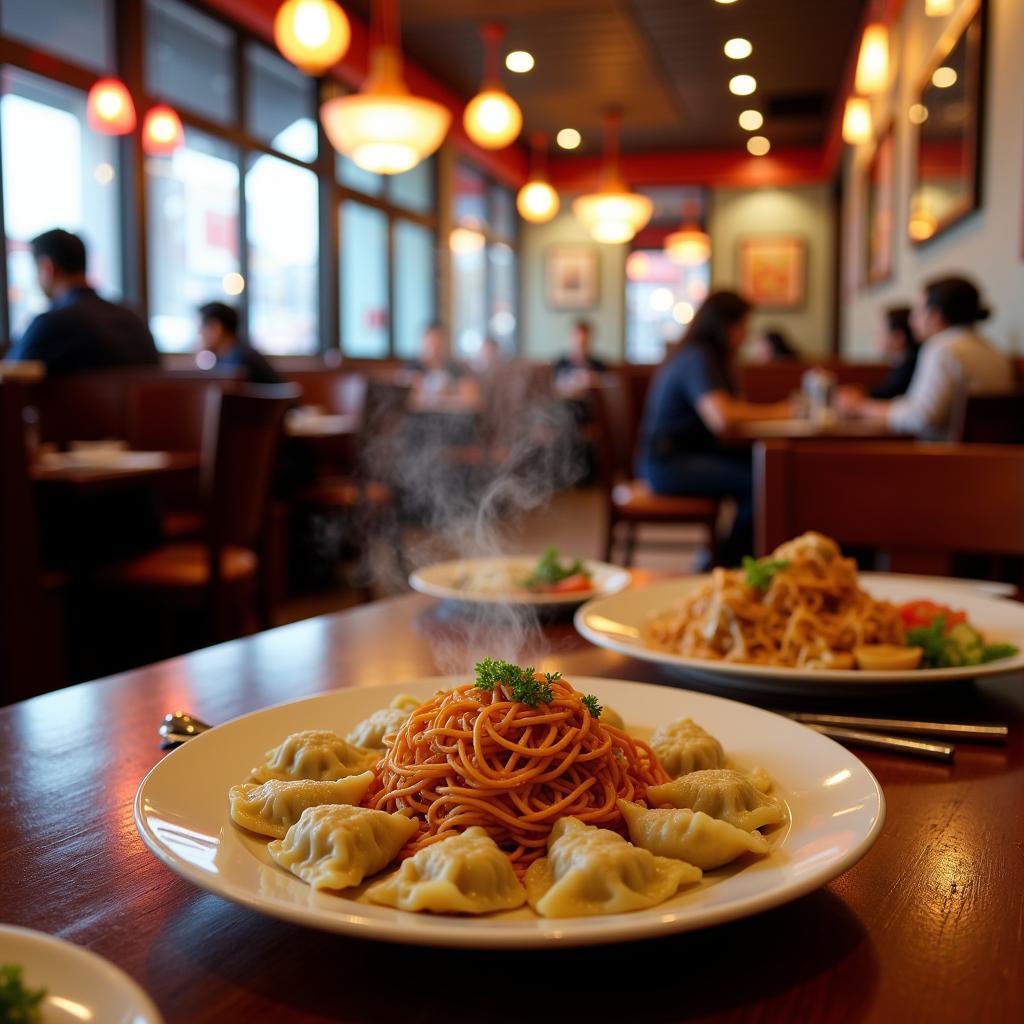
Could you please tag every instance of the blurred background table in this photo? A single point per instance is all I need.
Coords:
(926, 927)
(807, 429)
(127, 468)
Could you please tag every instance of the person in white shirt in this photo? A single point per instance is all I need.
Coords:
(953, 358)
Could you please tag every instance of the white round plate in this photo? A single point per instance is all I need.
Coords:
(453, 581)
(619, 622)
(836, 810)
(79, 984)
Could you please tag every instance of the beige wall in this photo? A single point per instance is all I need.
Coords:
(805, 211)
(987, 244)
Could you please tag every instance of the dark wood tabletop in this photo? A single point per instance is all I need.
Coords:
(807, 429)
(927, 927)
(61, 470)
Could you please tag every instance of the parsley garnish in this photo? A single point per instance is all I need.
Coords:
(550, 570)
(518, 684)
(759, 572)
(18, 1004)
(590, 702)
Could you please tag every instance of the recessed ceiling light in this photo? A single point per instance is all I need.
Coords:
(751, 120)
(758, 145)
(944, 77)
(725, 1)
(742, 85)
(519, 61)
(568, 138)
(738, 48)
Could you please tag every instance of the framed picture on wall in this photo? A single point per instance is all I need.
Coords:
(571, 276)
(773, 270)
(880, 209)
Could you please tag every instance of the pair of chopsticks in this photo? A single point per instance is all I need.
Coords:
(877, 733)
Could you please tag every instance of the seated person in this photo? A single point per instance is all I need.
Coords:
(899, 346)
(80, 331)
(575, 372)
(439, 383)
(690, 404)
(771, 346)
(953, 356)
(218, 332)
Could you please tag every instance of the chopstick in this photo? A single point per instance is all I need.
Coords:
(893, 744)
(955, 730)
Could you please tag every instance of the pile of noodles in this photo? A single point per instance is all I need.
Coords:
(812, 614)
(472, 757)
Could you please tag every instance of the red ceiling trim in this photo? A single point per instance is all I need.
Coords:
(509, 165)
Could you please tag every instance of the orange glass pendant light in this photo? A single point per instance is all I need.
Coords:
(613, 214)
(384, 128)
(872, 75)
(856, 121)
(537, 202)
(109, 108)
(312, 34)
(162, 132)
(492, 119)
(690, 246)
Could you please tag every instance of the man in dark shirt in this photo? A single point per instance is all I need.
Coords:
(576, 372)
(218, 331)
(80, 331)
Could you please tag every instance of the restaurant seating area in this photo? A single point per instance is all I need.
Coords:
(574, 451)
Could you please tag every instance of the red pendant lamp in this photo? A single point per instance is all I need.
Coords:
(162, 132)
(109, 108)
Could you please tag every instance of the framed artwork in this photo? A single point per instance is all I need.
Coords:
(571, 276)
(879, 208)
(773, 271)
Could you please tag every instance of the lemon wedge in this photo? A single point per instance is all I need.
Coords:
(887, 657)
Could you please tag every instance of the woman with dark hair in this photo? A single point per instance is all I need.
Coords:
(900, 346)
(771, 346)
(691, 402)
(953, 357)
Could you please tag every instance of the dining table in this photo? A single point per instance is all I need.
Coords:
(926, 927)
(807, 428)
(70, 472)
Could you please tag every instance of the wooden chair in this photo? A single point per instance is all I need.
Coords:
(31, 636)
(224, 572)
(630, 502)
(918, 503)
(988, 419)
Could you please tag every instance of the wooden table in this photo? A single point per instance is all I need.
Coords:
(62, 470)
(807, 429)
(927, 927)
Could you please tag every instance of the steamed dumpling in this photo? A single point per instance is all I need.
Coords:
(691, 836)
(466, 874)
(720, 793)
(314, 754)
(684, 746)
(370, 732)
(591, 870)
(271, 808)
(335, 846)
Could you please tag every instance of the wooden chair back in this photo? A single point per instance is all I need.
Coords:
(167, 413)
(918, 503)
(615, 423)
(988, 419)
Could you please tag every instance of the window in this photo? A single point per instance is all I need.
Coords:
(283, 249)
(77, 30)
(414, 190)
(661, 298)
(352, 175)
(501, 295)
(57, 173)
(469, 290)
(364, 281)
(190, 59)
(279, 102)
(192, 235)
(414, 286)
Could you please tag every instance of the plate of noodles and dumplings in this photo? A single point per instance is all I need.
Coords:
(507, 808)
(805, 620)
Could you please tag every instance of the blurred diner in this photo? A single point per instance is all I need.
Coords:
(899, 346)
(219, 334)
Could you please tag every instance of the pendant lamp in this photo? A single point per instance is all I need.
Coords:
(492, 119)
(312, 34)
(537, 201)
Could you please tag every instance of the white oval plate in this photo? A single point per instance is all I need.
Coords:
(618, 622)
(80, 986)
(836, 809)
(448, 580)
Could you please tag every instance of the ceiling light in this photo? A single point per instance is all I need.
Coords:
(689, 246)
(738, 48)
(742, 85)
(938, 8)
(537, 201)
(569, 138)
(857, 121)
(751, 120)
(872, 74)
(725, 1)
(519, 61)
(312, 34)
(613, 214)
(918, 113)
(492, 119)
(109, 108)
(944, 77)
(162, 133)
(758, 145)
(383, 128)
